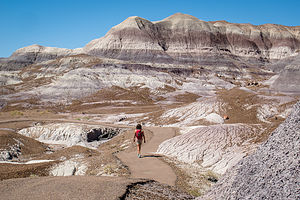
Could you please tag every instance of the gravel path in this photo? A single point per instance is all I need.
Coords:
(149, 166)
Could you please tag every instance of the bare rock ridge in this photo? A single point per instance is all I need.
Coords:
(272, 172)
(184, 38)
(32, 54)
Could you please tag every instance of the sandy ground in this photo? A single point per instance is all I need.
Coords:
(72, 187)
(149, 166)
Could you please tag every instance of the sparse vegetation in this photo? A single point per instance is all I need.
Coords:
(16, 113)
(109, 169)
(211, 176)
(194, 192)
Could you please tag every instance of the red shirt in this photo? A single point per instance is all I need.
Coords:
(139, 134)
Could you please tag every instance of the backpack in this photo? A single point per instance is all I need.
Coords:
(139, 134)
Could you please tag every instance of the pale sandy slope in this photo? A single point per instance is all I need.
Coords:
(150, 166)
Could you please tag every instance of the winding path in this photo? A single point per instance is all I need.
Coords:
(149, 166)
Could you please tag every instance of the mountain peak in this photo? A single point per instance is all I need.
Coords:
(181, 16)
(130, 22)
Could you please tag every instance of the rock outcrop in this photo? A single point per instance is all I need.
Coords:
(217, 147)
(69, 134)
(101, 134)
(272, 172)
(288, 78)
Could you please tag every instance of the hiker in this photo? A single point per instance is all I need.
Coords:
(139, 136)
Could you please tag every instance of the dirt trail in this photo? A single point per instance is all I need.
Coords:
(59, 188)
(149, 166)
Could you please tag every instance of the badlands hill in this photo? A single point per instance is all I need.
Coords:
(223, 87)
(182, 38)
(272, 172)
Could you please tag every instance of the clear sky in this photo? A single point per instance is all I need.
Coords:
(73, 23)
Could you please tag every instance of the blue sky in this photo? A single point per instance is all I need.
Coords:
(73, 23)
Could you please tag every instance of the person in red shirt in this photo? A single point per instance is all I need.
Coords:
(139, 136)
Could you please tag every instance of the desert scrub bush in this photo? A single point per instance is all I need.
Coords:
(44, 112)
(194, 192)
(16, 113)
(108, 169)
(86, 118)
(211, 176)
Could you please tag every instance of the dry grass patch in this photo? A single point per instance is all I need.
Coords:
(187, 97)
(114, 96)
(9, 171)
(237, 106)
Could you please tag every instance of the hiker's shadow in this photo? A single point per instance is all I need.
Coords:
(151, 156)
